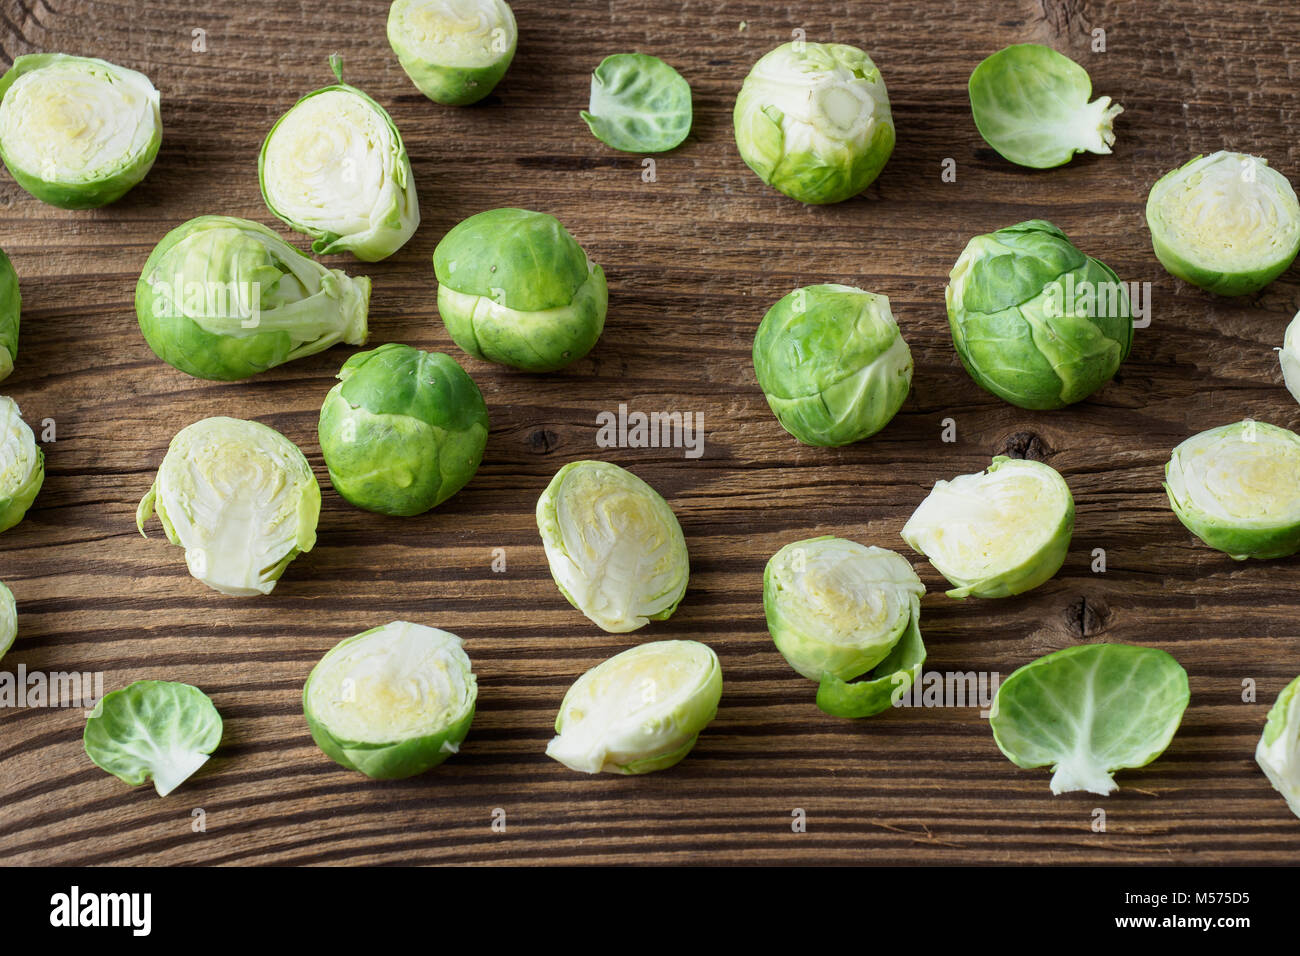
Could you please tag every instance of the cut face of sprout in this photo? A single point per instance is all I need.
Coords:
(1278, 753)
(22, 465)
(454, 51)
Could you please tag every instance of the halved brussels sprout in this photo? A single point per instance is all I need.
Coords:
(8, 619)
(1237, 488)
(1030, 103)
(1034, 320)
(77, 132)
(334, 168)
(614, 546)
(1227, 222)
(813, 121)
(514, 287)
(153, 728)
(1088, 711)
(998, 532)
(1289, 357)
(241, 500)
(224, 298)
(640, 711)
(403, 431)
(392, 701)
(639, 104)
(836, 609)
(832, 364)
(22, 465)
(10, 311)
(1278, 753)
(454, 51)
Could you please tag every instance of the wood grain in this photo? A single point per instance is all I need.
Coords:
(693, 261)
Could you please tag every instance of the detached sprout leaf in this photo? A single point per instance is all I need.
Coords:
(1088, 711)
(813, 121)
(22, 465)
(77, 132)
(640, 711)
(639, 104)
(8, 619)
(10, 312)
(832, 364)
(454, 51)
(240, 498)
(998, 532)
(1228, 223)
(614, 546)
(515, 288)
(1237, 488)
(334, 168)
(392, 701)
(153, 729)
(1278, 753)
(1030, 103)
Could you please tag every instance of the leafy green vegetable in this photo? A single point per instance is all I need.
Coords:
(813, 121)
(1289, 357)
(77, 132)
(10, 311)
(640, 711)
(22, 465)
(1088, 711)
(8, 619)
(392, 701)
(153, 729)
(1030, 104)
(832, 364)
(1278, 753)
(639, 104)
(454, 51)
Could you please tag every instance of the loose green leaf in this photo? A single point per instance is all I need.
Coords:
(639, 104)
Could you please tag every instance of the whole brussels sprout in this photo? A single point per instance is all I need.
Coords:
(515, 288)
(77, 132)
(813, 121)
(22, 465)
(403, 431)
(832, 363)
(10, 311)
(1034, 320)
(454, 51)
(224, 298)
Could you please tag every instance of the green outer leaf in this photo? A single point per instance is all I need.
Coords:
(90, 194)
(1030, 103)
(305, 307)
(889, 681)
(1125, 702)
(1000, 298)
(8, 619)
(10, 312)
(443, 83)
(1278, 753)
(639, 104)
(403, 431)
(153, 728)
(832, 364)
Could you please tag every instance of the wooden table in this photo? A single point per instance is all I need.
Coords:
(693, 259)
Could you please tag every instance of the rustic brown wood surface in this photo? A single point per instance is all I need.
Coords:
(693, 260)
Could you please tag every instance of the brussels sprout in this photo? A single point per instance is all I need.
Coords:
(392, 701)
(514, 287)
(640, 711)
(1278, 753)
(1228, 222)
(77, 132)
(1034, 320)
(832, 364)
(224, 298)
(998, 532)
(454, 51)
(153, 729)
(1088, 711)
(403, 431)
(836, 609)
(8, 619)
(1030, 103)
(10, 309)
(22, 465)
(334, 168)
(241, 500)
(1289, 357)
(813, 121)
(1237, 488)
(614, 546)
(639, 104)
